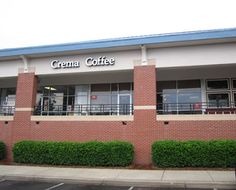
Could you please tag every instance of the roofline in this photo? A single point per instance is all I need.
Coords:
(122, 42)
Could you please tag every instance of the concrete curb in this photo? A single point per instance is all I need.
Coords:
(126, 182)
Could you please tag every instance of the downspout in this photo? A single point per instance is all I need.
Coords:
(144, 55)
(26, 63)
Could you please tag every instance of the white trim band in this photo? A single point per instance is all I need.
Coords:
(24, 109)
(213, 117)
(84, 118)
(144, 107)
(6, 118)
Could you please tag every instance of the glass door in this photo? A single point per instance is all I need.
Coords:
(124, 104)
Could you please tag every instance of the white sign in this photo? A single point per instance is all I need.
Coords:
(90, 62)
(64, 65)
(101, 61)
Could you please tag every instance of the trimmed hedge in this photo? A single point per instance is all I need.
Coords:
(2, 150)
(114, 153)
(214, 153)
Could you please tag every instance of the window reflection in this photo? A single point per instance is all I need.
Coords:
(178, 96)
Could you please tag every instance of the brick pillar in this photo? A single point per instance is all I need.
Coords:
(25, 101)
(144, 111)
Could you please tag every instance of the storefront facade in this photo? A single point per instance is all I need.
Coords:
(177, 86)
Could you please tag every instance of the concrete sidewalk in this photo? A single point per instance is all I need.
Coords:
(150, 178)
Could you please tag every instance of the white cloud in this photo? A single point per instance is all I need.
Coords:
(39, 22)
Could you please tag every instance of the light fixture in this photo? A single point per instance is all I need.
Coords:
(50, 88)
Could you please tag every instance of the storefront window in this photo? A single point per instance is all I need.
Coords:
(178, 96)
(55, 99)
(83, 99)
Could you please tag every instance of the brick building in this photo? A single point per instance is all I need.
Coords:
(140, 89)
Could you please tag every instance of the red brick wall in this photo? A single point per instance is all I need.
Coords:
(6, 137)
(142, 132)
(145, 85)
(204, 130)
(26, 90)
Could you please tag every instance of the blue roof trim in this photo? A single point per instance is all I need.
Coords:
(119, 42)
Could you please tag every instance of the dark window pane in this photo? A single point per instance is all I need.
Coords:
(124, 86)
(114, 88)
(188, 84)
(40, 89)
(71, 90)
(161, 85)
(218, 100)
(235, 99)
(11, 91)
(100, 87)
(217, 84)
(234, 84)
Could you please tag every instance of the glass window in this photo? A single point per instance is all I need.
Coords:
(114, 88)
(162, 85)
(124, 87)
(218, 100)
(71, 90)
(234, 83)
(189, 100)
(183, 84)
(100, 94)
(7, 96)
(100, 88)
(235, 99)
(169, 99)
(217, 84)
(190, 96)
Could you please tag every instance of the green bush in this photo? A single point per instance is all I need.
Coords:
(214, 153)
(2, 150)
(115, 153)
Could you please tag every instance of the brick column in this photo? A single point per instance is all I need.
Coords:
(25, 101)
(144, 111)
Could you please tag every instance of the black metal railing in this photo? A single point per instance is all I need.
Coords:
(7, 110)
(85, 109)
(197, 108)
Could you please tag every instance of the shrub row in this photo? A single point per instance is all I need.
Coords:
(115, 153)
(2, 150)
(214, 153)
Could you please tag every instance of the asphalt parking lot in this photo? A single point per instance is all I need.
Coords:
(33, 185)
